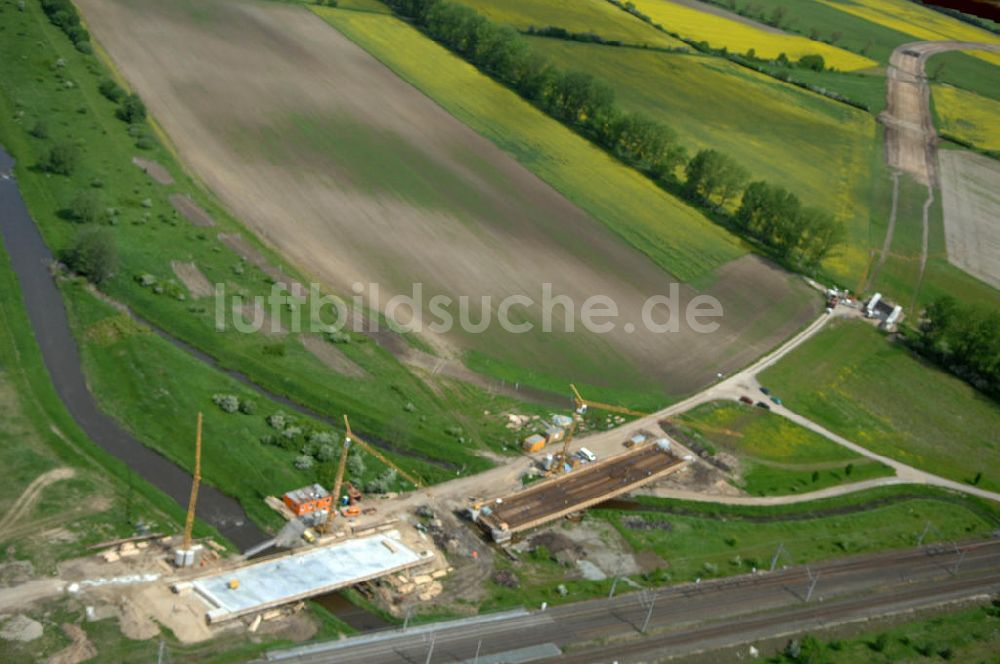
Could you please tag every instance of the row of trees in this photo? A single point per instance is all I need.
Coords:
(63, 15)
(803, 236)
(965, 339)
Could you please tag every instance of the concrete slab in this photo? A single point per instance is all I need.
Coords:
(290, 578)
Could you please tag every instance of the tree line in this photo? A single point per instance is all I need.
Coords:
(965, 339)
(769, 214)
(64, 16)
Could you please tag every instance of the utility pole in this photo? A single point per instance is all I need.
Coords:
(614, 584)
(651, 595)
(920, 540)
(777, 554)
(430, 651)
(958, 563)
(478, 648)
(406, 620)
(812, 586)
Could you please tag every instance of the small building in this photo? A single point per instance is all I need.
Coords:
(308, 500)
(563, 421)
(554, 434)
(533, 443)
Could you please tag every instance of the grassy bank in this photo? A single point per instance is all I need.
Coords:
(775, 456)
(851, 379)
(966, 635)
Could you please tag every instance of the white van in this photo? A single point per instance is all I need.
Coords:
(587, 455)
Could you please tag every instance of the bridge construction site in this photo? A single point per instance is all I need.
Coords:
(575, 491)
(395, 547)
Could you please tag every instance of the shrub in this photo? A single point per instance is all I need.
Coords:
(111, 90)
(92, 255)
(87, 207)
(277, 420)
(40, 130)
(304, 462)
(132, 109)
(326, 452)
(60, 159)
(229, 403)
(248, 407)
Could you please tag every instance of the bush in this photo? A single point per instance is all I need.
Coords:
(304, 462)
(111, 90)
(87, 207)
(814, 62)
(248, 407)
(229, 403)
(92, 255)
(326, 452)
(60, 159)
(277, 420)
(40, 130)
(132, 109)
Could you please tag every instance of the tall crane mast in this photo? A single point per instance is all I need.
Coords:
(195, 482)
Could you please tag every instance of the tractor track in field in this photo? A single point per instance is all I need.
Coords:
(31, 493)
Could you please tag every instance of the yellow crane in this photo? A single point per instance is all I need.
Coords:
(583, 404)
(338, 482)
(353, 437)
(559, 460)
(195, 482)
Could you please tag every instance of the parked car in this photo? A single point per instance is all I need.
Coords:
(765, 390)
(747, 400)
(776, 400)
(764, 405)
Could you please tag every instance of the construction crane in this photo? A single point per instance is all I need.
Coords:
(338, 482)
(583, 404)
(353, 437)
(195, 482)
(559, 461)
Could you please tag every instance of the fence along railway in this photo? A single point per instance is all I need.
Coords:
(588, 486)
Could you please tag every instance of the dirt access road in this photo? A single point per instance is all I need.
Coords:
(355, 176)
(506, 478)
(910, 138)
(911, 147)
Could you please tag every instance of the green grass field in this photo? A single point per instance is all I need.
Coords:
(725, 541)
(855, 382)
(594, 16)
(817, 148)
(777, 456)
(57, 86)
(899, 278)
(963, 635)
(674, 235)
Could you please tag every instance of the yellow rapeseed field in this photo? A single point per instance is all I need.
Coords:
(968, 116)
(597, 16)
(739, 37)
(922, 23)
(674, 235)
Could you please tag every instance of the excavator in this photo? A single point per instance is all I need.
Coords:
(353, 495)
